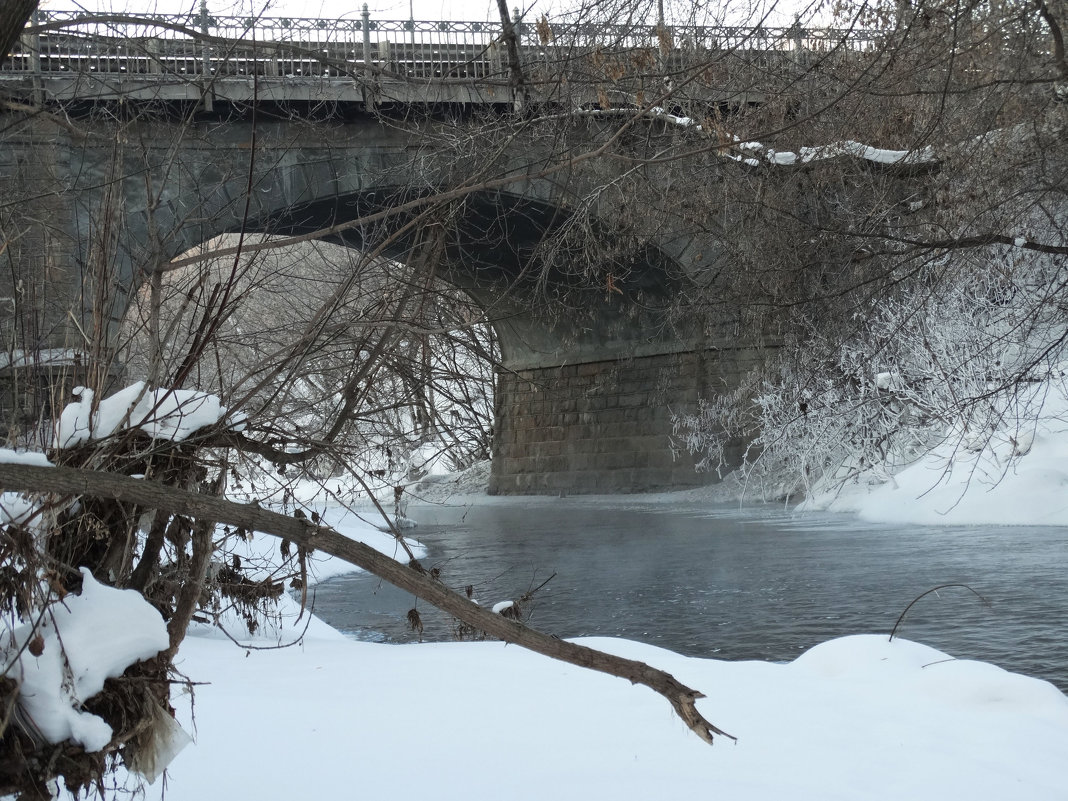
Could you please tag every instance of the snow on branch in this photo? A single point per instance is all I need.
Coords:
(756, 154)
(172, 414)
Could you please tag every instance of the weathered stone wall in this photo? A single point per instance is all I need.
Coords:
(604, 427)
(102, 209)
(41, 279)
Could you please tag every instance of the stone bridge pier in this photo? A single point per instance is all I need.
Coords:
(593, 366)
(604, 426)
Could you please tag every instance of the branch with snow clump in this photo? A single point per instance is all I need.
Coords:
(172, 414)
(759, 154)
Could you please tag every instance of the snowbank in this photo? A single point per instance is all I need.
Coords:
(1018, 477)
(447, 487)
(854, 718)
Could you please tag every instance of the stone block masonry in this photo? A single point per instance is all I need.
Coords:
(603, 427)
(587, 402)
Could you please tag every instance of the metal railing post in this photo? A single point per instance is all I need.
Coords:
(272, 55)
(411, 27)
(367, 43)
(153, 52)
(206, 89)
(498, 49)
(31, 43)
(270, 62)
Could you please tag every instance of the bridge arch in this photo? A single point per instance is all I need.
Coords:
(594, 363)
(512, 254)
(591, 368)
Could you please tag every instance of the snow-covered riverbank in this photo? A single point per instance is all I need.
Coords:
(854, 718)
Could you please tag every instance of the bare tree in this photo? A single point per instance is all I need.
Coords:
(905, 244)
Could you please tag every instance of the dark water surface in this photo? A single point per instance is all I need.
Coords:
(733, 584)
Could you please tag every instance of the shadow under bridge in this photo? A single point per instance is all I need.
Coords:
(557, 286)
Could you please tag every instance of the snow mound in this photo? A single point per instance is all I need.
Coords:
(859, 653)
(85, 639)
(854, 718)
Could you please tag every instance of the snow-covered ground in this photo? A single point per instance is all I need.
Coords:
(854, 718)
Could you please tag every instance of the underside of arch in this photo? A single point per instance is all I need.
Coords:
(596, 358)
(555, 286)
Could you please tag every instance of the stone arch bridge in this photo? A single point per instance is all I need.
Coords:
(585, 396)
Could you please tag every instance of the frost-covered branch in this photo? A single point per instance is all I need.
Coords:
(961, 358)
(982, 240)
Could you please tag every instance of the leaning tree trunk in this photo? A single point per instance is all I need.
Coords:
(65, 481)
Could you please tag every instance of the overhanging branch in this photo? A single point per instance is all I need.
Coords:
(65, 481)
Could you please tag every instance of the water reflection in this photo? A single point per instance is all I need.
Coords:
(753, 584)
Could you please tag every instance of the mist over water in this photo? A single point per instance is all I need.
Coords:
(732, 583)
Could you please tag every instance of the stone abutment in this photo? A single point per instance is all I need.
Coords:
(605, 426)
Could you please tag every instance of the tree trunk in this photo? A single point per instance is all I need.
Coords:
(511, 43)
(412, 578)
(14, 15)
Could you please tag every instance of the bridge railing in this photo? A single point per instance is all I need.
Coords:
(188, 45)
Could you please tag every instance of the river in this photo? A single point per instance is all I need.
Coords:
(730, 583)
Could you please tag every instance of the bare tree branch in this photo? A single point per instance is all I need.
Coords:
(1058, 37)
(150, 495)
